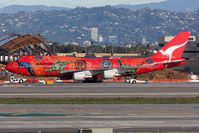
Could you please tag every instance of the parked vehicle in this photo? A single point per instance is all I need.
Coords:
(17, 80)
(134, 81)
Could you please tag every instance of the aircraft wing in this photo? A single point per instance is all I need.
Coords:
(122, 69)
(98, 71)
(69, 72)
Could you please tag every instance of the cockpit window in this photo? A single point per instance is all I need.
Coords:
(20, 59)
(38, 58)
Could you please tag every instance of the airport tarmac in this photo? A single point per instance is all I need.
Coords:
(120, 117)
(107, 89)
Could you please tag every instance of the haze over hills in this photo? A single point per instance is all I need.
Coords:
(169, 5)
(74, 25)
(19, 8)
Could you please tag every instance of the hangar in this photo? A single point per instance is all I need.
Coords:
(12, 46)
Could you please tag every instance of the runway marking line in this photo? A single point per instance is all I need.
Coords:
(18, 114)
(95, 94)
(47, 115)
(169, 81)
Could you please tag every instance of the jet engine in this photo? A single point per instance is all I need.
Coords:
(82, 75)
(111, 74)
(79, 76)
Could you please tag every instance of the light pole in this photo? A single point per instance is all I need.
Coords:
(106, 45)
(112, 50)
(74, 47)
(126, 46)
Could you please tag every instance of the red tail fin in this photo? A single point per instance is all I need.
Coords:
(174, 49)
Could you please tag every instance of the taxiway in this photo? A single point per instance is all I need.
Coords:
(135, 117)
(84, 90)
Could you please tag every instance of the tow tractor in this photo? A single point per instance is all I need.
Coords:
(135, 81)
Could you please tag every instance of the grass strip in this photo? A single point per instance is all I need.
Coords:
(99, 100)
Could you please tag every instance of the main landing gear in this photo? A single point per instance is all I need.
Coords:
(93, 81)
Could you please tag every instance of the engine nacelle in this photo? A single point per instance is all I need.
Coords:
(111, 74)
(82, 75)
(79, 76)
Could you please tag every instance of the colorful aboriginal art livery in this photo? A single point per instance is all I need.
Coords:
(98, 68)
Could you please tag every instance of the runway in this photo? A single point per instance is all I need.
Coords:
(98, 90)
(119, 117)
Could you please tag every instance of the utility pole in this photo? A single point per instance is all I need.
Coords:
(74, 47)
(86, 48)
(126, 46)
(91, 50)
(54, 48)
(106, 45)
(112, 52)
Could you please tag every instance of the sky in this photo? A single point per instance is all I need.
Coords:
(74, 3)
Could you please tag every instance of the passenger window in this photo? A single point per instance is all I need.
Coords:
(38, 58)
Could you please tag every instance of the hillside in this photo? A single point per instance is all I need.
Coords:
(74, 25)
(169, 5)
(19, 8)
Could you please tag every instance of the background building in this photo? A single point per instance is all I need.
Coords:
(87, 43)
(101, 39)
(144, 41)
(94, 34)
(113, 39)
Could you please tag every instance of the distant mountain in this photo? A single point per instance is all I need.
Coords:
(18, 8)
(74, 25)
(169, 5)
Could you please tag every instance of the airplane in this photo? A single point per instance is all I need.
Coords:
(96, 69)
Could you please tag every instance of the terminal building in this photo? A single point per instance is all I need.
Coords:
(191, 52)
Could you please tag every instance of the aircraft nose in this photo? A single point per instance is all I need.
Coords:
(10, 67)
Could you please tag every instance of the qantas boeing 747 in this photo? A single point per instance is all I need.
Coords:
(97, 68)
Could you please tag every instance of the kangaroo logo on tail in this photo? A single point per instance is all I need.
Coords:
(173, 49)
(170, 50)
